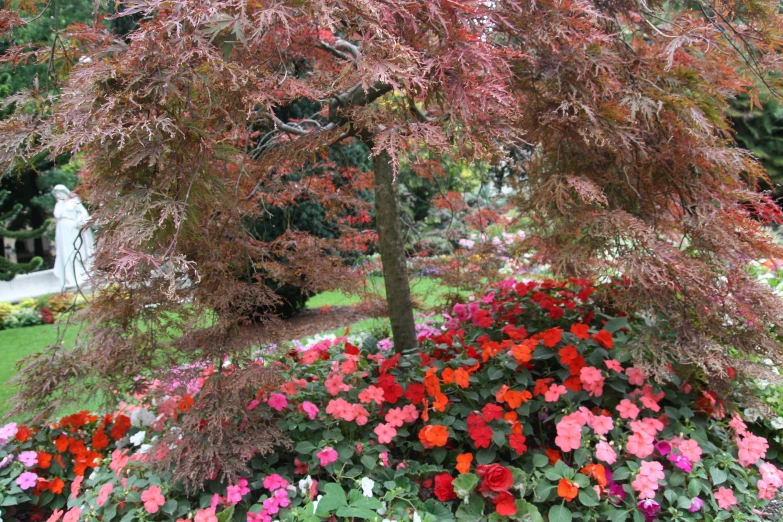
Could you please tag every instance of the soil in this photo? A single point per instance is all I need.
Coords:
(305, 324)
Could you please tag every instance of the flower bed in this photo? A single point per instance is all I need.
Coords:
(31, 312)
(523, 405)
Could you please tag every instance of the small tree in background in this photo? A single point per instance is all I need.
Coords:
(9, 269)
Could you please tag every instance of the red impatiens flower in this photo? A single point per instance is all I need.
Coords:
(581, 331)
(492, 412)
(444, 489)
(517, 442)
(415, 393)
(505, 504)
(604, 338)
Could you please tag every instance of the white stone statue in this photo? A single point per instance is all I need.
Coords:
(74, 241)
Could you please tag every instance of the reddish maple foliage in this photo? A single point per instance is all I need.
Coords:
(621, 103)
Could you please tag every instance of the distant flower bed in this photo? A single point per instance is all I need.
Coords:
(523, 404)
(31, 312)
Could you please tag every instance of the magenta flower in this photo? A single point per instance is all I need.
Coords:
(327, 456)
(649, 508)
(310, 409)
(275, 481)
(682, 462)
(277, 401)
(696, 504)
(663, 447)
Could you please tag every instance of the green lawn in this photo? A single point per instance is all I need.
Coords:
(18, 342)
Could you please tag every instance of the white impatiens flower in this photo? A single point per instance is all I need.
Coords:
(144, 449)
(367, 485)
(305, 484)
(316, 501)
(416, 517)
(777, 423)
(138, 438)
(142, 418)
(382, 511)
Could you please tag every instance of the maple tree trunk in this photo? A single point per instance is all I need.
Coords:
(395, 270)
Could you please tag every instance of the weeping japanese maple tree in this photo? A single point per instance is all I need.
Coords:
(179, 126)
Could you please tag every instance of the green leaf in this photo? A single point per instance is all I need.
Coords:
(465, 484)
(580, 456)
(305, 448)
(226, 514)
(369, 461)
(472, 510)
(615, 324)
(588, 497)
(333, 500)
(499, 438)
(170, 506)
(616, 515)
(528, 512)
(356, 499)
(718, 476)
(485, 456)
(543, 491)
(694, 487)
(621, 473)
(559, 514)
(354, 512)
(540, 460)
(582, 481)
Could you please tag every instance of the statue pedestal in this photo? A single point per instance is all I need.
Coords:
(30, 285)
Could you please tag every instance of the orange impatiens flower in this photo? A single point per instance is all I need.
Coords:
(523, 353)
(44, 460)
(553, 455)
(434, 436)
(447, 375)
(463, 462)
(23, 433)
(542, 385)
(61, 443)
(441, 401)
(551, 337)
(567, 489)
(99, 439)
(596, 471)
(604, 338)
(431, 382)
(515, 399)
(462, 377)
(187, 401)
(56, 486)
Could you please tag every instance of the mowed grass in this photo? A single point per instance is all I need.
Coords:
(19, 342)
(16, 343)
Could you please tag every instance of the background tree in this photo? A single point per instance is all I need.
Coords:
(9, 269)
(615, 100)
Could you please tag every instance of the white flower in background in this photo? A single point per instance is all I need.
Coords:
(85, 59)
(416, 517)
(138, 438)
(777, 423)
(305, 484)
(752, 415)
(367, 485)
(382, 511)
(142, 417)
(144, 449)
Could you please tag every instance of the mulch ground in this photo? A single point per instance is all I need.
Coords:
(305, 324)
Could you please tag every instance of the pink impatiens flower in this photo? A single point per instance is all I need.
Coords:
(640, 444)
(205, 515)
(28, 458)
(385, 432)
(691, 450)
(334, 384)
(614, 365)
(327, 455)
(554, 392)
(636, 376)
(396, 417)
(73, 514)
(605, 452)
(725, 498)
(601, 424)
(646, 482)
(76, 485)
(627, 409)
(277, 401)
(371, 394)
(310, 409)
(153, 499)
(751, 449)
(103, 493)
(569, 431)
(737, 425)
(592, 380)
